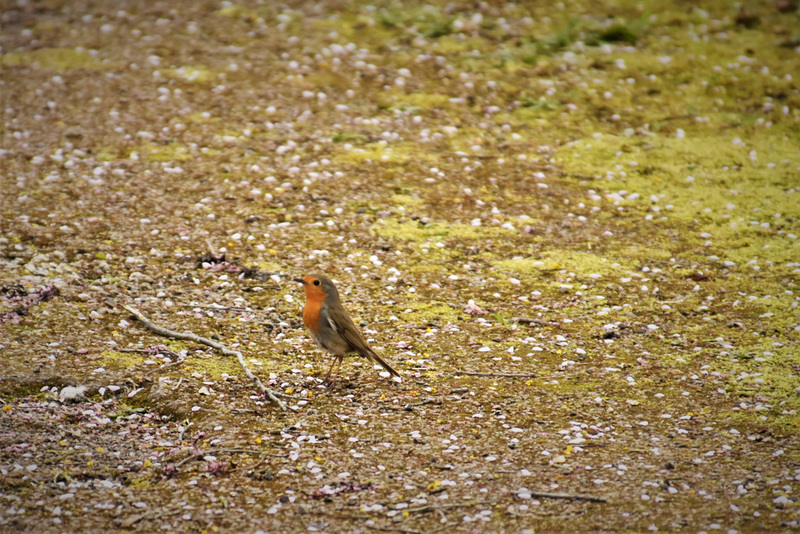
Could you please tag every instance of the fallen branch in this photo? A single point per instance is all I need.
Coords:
(505, 375)
(568, 496)
(189, 336)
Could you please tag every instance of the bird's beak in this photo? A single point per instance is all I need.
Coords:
(300, 280)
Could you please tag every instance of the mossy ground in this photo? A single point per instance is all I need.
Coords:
(614, 187)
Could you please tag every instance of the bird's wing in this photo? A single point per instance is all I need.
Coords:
(326, 316)
(343, 324)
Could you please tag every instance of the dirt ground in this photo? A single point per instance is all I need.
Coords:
(571, 227)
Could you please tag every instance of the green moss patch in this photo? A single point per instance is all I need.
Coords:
(191, 73)
(581, 263)
(419, 232)
(57, 59)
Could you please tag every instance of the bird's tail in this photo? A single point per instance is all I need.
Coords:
(373, 356)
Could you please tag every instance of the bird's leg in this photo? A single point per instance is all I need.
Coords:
(328, 374)
(339, 360)
(339, 367)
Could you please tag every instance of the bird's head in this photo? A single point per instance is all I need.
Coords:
(318, 287)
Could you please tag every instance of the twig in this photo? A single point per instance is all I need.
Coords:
(340, 516)
(132, 520)
(181, 359)
(219, 308)
(531, 321)
(211, 247)
(411, 405)
(446, 526)
(568, 496)
(159, 351)
(676, 118)
(167, 366)
(182, 430)
(166, 332)
(505, 375)
(63, 455)
(581, 176)
(392, 529)
(284, 395)
(421, 509)
(431, 507)
(199, 455)
(528, 320)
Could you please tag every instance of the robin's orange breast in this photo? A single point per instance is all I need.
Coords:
(311, 316)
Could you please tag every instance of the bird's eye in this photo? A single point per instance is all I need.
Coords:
(316, 282)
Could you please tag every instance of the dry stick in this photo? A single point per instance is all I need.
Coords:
(392, 529)
(431, 507)
(421, 509)
(568, 496)
(219, 308)
(166, 332)
(505, 375)
(530, 321)
(423, 402)
(128, 523)
(581, 176)
(162, 367)
(167, 366)
(63, 455)
(199, 455)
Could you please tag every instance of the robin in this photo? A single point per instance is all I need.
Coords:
(330, 326)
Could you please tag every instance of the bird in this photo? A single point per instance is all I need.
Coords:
(330, 326)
